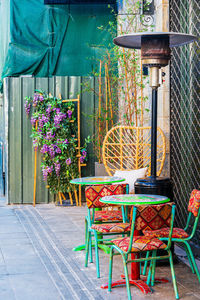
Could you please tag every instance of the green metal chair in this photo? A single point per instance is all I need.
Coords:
(139, 244)
(99, 224)
(180, 235)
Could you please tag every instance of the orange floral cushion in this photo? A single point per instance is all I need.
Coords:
(153, 217)
(108, 216)
(194, 202)
(178, 233)
(113, 227)
(140, 243)
(95, 192)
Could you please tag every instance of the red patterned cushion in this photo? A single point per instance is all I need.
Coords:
(178, 233)
(140, 243)
(95, 192)
(153, 217)
(194, 202)
(115, 228)
(108, 216)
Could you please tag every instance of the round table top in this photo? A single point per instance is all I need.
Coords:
(135, 199)
(97, 180)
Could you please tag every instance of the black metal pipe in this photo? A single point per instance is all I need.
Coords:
(154, 132)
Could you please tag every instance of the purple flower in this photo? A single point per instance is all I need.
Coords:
(33, 121)
(57, 110)
(84, 153)
(82, 158)
(58, 150)
(51, 151)
(68, 161)
(35, 99)
(57, 168)
(66, 141)
(40, 122)
(58, 118)
(48, 110)
(41, 98)
(44, 119)
(50, 169)
(27, 107)
(44, 149)
(49, 135)
(69, 112)
(45, 173)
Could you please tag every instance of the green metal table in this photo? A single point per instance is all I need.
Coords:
(131, 200)
(96, 180)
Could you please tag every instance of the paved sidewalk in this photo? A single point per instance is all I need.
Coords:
(37, 261)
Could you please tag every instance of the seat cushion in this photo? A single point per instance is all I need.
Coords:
(108, 216)
(194, 202)
(140, 243)
(113, 227)
(178, 233)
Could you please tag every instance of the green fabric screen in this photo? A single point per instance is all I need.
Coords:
(62, 40)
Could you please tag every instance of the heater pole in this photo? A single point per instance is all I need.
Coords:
(154, 132)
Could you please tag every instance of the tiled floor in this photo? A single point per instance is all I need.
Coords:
(37, 261)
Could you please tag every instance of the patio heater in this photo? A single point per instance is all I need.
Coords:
(155, 53)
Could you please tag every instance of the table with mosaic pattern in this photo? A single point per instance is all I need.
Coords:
(131, 200)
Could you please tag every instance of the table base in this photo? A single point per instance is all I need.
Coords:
(103, 247)
(140, 283)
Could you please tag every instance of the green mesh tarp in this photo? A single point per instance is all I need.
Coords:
(48, 40)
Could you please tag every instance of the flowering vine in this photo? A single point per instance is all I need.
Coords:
(54, 132)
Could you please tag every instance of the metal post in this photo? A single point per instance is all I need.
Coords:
(154, 132)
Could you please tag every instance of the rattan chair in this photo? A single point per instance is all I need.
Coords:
(129, 148)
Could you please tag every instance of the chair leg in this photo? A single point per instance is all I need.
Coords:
(149, 273)
(173, 275)
(153, 268)
(193, 260)
(145, 264)
(189, 259)
(127, 278)
(110, 270)
(87, 247)
(97, 254)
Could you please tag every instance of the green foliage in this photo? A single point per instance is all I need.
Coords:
(54, 132)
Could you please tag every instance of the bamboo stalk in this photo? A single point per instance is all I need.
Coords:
(70, 197)
(100, 111)
(141, 81)
(109, 93)
(76, 196)
(106, 91)
(127, 88)
(60, 198)
(135, 90)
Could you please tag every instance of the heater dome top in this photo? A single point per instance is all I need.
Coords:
(133, 40)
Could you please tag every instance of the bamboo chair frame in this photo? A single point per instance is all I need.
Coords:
(129, 148)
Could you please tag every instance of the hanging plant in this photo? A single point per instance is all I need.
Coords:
(54, 132)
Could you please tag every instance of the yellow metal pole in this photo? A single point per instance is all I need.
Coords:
(35, 171)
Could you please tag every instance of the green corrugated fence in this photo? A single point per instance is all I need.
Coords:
(20, 157)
